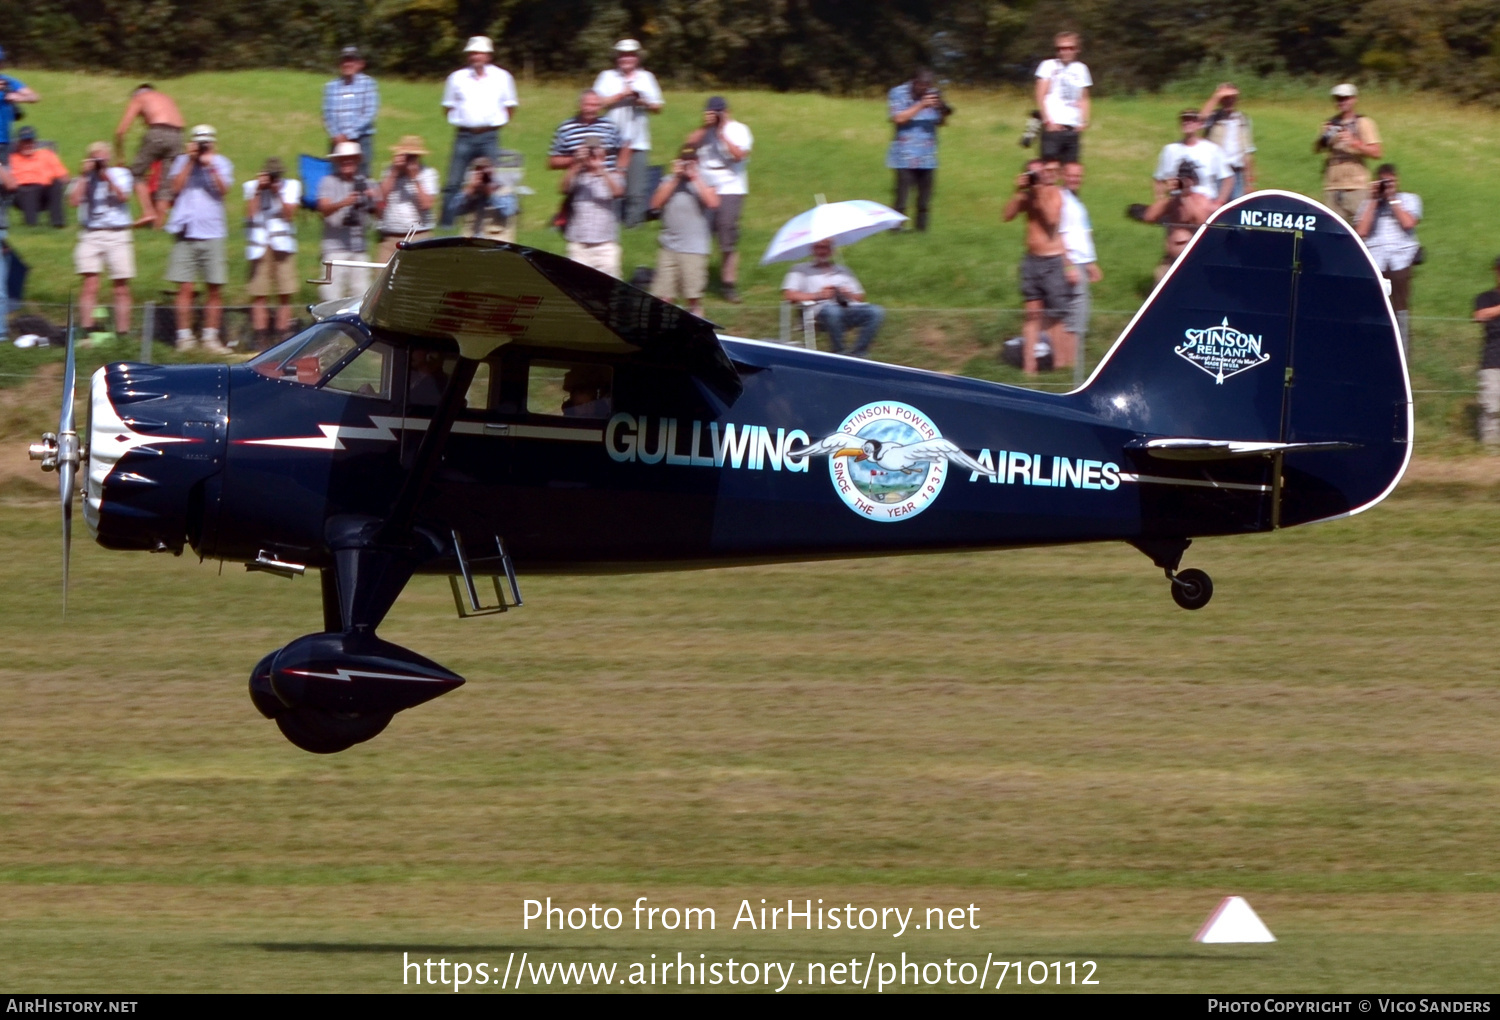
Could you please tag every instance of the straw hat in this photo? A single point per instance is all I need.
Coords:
(410, 145)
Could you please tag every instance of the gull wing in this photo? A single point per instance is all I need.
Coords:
(829, 445)
(933, 449)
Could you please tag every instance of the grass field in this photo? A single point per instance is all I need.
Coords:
(1039, 733)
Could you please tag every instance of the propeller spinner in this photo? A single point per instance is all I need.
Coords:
(61, 452)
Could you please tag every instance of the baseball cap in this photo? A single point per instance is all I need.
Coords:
(717, 104)
(627, 46)
(343, 149)
(1344, 91)
(479, 44)
(204, 133)
(273, 165)
(350, 53)
(27, 134)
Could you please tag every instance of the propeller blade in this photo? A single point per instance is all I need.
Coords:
(67, 454)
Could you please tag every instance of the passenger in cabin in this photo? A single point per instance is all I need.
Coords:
(425, 380)
(588, 392)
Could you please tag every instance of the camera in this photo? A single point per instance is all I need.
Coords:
(353, 216)
(1033, 129)
(839, 296)
(1033, 178)
(1332, 128)
(1187, 176)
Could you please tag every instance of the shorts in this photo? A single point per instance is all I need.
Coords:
(192, 261)
(105, 251)
(1042, 280)
(1061, 145)
(604, 256)
(160, 143)
(725, 222)
(275, 272)
(679, 275)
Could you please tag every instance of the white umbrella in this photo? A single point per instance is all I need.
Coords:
(839, 222)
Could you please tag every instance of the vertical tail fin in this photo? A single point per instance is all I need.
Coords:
(1273, 326)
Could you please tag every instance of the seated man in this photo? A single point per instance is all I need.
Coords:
(486, 206)
(839, 298)
(40, 178)
(588, 392)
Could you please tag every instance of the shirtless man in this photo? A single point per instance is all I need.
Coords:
(1181, 210)
(162, 143)
(1044, 283)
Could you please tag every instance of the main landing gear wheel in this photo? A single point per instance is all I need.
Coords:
(1191, 589)
(322, 732)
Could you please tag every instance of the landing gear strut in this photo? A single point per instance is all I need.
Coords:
(1191, 589)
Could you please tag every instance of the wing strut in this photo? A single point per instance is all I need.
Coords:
(430, 452)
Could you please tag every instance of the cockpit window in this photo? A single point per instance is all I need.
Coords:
(570, 389)
(310, 356)
(368, 375)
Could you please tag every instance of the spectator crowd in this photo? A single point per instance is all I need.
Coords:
(180, 182)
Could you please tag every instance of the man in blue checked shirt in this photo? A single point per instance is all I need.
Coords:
(351, 103)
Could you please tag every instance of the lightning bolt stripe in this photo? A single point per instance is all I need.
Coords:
(383, 429)
(348, 675)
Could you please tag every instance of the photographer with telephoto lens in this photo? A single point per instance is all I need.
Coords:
(1387, 220)
(409, 192)
(271, 201)
(101, 194)
(1181, 209)
(201, 178)
(346, 200)
(1045, 290)
(917, 110)
(593, 229)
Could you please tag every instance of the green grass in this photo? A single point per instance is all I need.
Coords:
(1041, 733)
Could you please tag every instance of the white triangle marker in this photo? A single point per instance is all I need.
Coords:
(1234, 921)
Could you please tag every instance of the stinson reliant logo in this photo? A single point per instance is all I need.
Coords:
(1222, 351)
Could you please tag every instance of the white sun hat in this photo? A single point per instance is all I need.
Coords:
(479, 44)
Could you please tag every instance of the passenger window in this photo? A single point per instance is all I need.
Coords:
(570, 389)
(368, 375)
(427, 376)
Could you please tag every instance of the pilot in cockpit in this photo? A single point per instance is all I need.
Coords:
(425, 379)
(588, 392)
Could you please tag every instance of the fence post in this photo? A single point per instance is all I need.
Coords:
(148, 328)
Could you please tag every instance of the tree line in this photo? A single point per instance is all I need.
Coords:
(819, 45)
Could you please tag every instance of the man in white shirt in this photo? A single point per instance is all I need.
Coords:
(271, 201)
(723, 145)
(1226, 125)
(1082, 266)
(631, 94)
(102, 194)
(1387, 220)
(479, 100)
(1215, 178)
(1062, 100)
(838, 298)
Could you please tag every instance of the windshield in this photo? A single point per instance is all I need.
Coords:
(310, 356)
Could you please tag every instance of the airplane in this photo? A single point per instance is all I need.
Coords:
(488, 409)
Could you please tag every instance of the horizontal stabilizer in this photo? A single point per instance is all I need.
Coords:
(1225, 449)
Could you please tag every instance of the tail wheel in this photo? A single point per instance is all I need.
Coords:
(323, 732)
(1191, 589)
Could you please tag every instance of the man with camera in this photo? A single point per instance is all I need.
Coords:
(479, 100)
(101, 194)
(201, 178)
(917, 110)
(1214, 180)
(1181, 208)
(686, 202)
(1062, 98)
(487, 206)
(161, 143)
(409, 194)
(351, 102)
(593, 230)
(839, 299)
(1045, 290)
(13, 92)
(40, 178)
(1387, 220)
(723, 158)
(271, 201)
(1226, 125)
(1349, 138)
(346, 200)
(631, 95)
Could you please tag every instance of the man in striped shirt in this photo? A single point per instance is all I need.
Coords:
(351, 103)
(587, 126)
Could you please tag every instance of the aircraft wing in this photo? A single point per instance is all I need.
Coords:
(484, 294)
(1224, 449)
